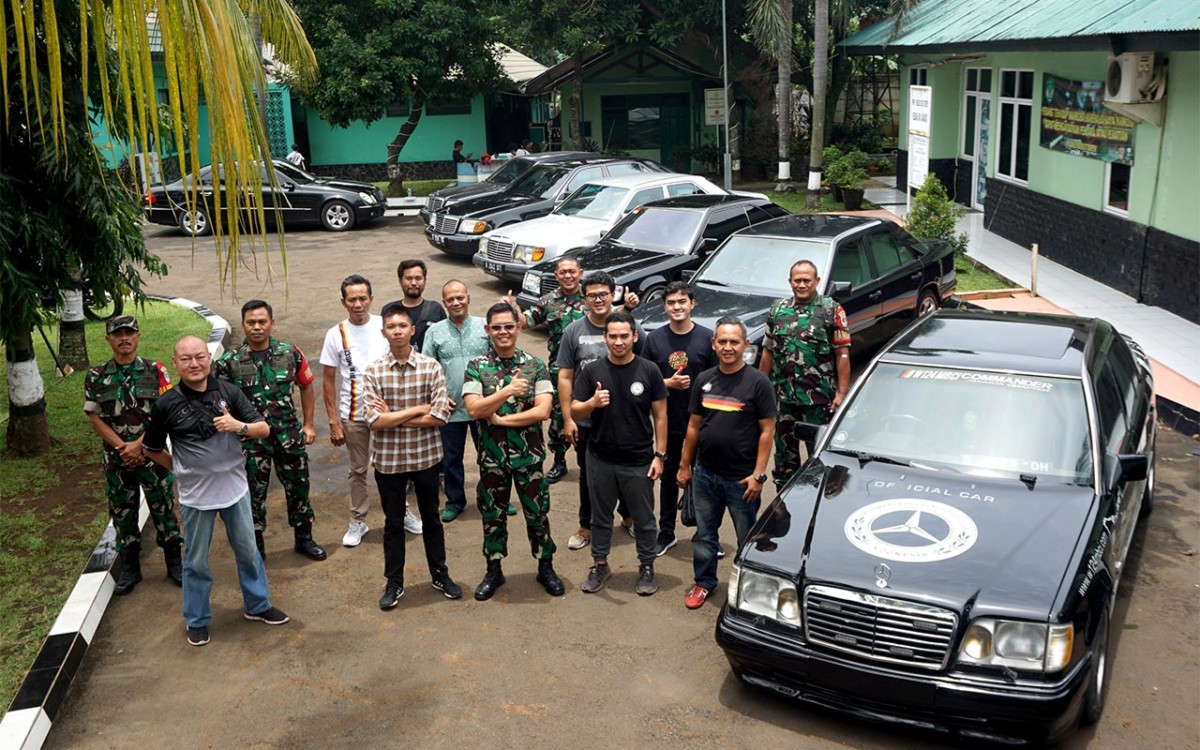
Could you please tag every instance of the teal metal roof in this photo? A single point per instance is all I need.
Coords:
(980, 24)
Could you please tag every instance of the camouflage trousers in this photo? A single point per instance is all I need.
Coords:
(122, 485)
(787, 443)
(291, 465)
(495, 486)
(557, 440)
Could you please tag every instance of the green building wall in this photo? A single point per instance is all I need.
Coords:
(433, 139)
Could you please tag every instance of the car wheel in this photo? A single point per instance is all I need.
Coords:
(652, 294)
(337, 216)
(928, 303)
(195, 223)
(1148, 490)
(1097, 687)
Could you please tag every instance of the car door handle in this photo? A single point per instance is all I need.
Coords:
(916, 276)
(875, 296)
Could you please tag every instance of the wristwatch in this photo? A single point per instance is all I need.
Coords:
(660, 454)
(244, 430)
(760, 478)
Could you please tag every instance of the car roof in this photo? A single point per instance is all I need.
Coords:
(704, 201)
(587, 159)
(645, 179)
(1034, 343)
(809, 226)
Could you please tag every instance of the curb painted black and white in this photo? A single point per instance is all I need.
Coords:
(40, 697)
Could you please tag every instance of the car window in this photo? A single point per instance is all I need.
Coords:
(510, 171)
(725, 221)
(748, 260)
(645, 195)
(764, 212)
(974, 422)
(884, 252)
(850, 264)
(293, 173)
(541, 182)
(1110, 409)
(910, 247)
(594, 202)
(584, 176)
(1120, 359)
(663, 229)
(682, 188)
(616, 170)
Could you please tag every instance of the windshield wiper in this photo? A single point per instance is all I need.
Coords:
(712, 282)
(865, 458)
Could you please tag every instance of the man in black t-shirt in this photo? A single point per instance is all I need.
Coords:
(729, 438)
(423, 312)
(620, 394)
(682, 350)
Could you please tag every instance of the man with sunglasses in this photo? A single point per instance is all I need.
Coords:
(205, 419)
(510, 393)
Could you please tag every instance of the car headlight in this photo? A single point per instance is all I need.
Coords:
(750, 354)
(478, 227)
(758, 593)
(618, 293)
(528, 253)
(367, 198)
(1017, 644)
(532, 283)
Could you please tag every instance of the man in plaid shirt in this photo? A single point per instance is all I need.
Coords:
(406, 405)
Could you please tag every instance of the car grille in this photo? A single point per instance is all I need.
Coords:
(445, 224)
(549, 284)
(879, 628)
(498, 249)
(433, 204)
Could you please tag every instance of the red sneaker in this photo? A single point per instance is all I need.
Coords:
(695, 598)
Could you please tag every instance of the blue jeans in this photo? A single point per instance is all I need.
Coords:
(712, 494)
(197, 576)
(454, 446)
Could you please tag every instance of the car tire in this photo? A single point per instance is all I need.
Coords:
(1097, 685)
(652, 294)
(1148, 490)
(195, 223)
(927, 303)
(337, 216)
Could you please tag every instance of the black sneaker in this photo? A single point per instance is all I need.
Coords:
(391, 596)
(645, 583)
(557, 471)
(445, 584)
(665, 542)
(271, 616)
(596, 577)
(198, 636)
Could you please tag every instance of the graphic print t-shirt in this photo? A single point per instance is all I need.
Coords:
(690, 352)
(730, 407)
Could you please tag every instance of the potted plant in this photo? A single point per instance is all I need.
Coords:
(934, 216)
(847, 173)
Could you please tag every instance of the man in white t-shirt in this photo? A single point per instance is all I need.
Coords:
(349, 347)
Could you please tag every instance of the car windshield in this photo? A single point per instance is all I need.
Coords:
(664, 229)
(293, 173)
(513, 169)
(540, 182)
(594, 202)
(761, 262)
(983, 423)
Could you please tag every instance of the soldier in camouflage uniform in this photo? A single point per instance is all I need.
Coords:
(806, 354)
(510, 393)
(117, 399)
(559, 309)
(266, 369)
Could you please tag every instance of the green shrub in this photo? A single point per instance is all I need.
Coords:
(845, 170)
(934, 215)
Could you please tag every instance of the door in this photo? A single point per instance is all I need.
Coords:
(861, 303)
(977, 103)
(673, 122)
(899, 275)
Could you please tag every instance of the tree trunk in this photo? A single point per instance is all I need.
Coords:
(28, 430)
(820, 83)
(394, 172)
(841, 70)
(574, 103)
(783, 96)
(72, 343)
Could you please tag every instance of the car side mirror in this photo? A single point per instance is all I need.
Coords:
(808, 432)
(1125, 467)
(687, 274)
(840, 288)
(289, 186)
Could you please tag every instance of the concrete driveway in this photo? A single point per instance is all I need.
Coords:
(610, 670)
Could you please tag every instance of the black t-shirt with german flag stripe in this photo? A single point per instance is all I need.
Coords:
(730, 407)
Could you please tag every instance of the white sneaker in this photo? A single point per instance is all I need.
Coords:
(412, 524)
(354, 534)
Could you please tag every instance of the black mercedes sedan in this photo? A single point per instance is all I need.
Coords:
(456, 230)
(302, 199)
(659, 242)
(880, 274)
(949, 557)
(443, 199)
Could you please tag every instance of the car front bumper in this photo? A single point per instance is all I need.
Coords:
(458, 245)
(966, 706)
(507, 270)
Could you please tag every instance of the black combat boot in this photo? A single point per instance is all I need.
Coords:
(262, 547)
(549, 579)
(131, 569)
(305, 544)
(173, 554)
(558, 469)
(492, 580)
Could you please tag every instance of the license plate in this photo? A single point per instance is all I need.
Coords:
(495, 268)
(439, 239)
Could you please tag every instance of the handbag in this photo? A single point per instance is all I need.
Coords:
(687, 507)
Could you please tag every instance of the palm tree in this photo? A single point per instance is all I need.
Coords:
(774, 34)
(812, 200)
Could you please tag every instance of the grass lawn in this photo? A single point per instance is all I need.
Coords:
(52, 508)
(794, 202)
(418, 187)
(973, 277)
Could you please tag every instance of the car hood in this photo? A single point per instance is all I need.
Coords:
(554, 230)
(486, 204)
(457, 193)
(618, 259)
(714, 303)
(340, 184)
(969, 544)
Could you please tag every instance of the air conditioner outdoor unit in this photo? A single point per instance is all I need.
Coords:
(1132, 78)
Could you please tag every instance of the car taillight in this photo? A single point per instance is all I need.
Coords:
(150, 199)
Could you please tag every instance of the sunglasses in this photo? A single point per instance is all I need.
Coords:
(503, 327)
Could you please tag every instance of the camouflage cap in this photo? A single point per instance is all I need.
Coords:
(120, 322)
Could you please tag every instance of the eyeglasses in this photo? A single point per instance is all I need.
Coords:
(503, 327)
(597, 296)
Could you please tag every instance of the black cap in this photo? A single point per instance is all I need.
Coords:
(120, 322)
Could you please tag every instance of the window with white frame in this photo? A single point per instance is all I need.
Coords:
(1116, 187)
(977, 86)
(1016, 124)
(918, 76)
